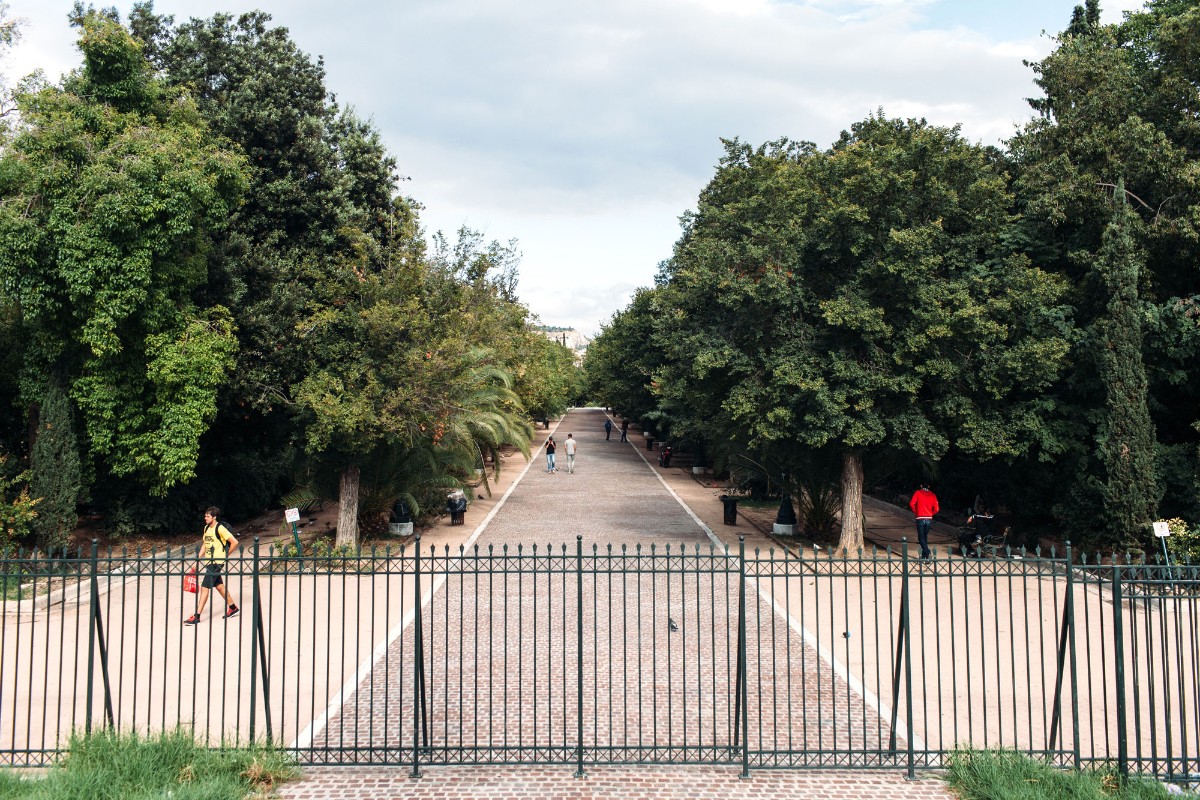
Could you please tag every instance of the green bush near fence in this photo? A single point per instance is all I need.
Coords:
(106, 766)
(1006, 775)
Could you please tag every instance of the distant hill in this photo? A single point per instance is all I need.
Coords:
(569, 337)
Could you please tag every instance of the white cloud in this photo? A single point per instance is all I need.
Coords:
(584, 129)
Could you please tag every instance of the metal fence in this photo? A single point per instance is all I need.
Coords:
(587, 655)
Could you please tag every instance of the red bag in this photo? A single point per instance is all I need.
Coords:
(189, 581)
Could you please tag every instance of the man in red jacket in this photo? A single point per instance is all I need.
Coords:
(924, 505)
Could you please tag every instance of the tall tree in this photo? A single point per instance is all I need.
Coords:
(114, 189)
(322, 213)
(1117, 104)
(1125, 438)
(864, 297)
(55, 471)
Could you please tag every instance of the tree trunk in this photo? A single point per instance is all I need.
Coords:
(851, 541)
(347, 526)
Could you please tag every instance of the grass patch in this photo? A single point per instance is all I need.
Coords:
(1005, 775)
(106, 766)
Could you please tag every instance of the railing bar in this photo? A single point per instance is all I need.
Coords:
(926, 566)
(1119, 674)
(1195, 652)
(579, 773)
(534, 637)
(981, 632)
(1179, 648)
(820, 665)
(7, 579)
(1015, 721)
(1153, 643)
(1025, 615)
(787, 638)
(565, 637)
(937, 641)
(906, 622)
(654, 649)
(1135, 662)
(772, 566)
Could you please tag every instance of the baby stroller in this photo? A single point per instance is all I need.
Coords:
(979, 533)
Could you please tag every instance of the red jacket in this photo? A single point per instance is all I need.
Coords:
(924, 504)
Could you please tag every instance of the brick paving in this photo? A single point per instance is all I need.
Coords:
(697, 782)
(657, 660)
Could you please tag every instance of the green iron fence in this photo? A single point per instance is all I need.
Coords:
(603, 655)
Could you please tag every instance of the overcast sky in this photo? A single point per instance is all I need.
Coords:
(584, 129)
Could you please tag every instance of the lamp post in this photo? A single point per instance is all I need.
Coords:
(786, 523)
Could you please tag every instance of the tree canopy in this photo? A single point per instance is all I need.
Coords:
(214, 260)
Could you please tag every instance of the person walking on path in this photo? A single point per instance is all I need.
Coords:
(218, 543)
(625, 430)
(571, 446)
(924, 505)
(550, 448)
(607, 428)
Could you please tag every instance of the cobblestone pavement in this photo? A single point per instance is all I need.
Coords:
(656, 658)
(607, 783)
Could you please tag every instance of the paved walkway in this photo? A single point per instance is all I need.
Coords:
(614, 498)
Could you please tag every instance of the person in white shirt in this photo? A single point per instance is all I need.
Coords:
(570, 445)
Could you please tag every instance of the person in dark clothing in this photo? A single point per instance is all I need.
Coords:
(624, 430)
(924, 505)
(607, 429)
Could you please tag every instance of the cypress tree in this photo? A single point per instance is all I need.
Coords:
(56, 476)
(1125, 437)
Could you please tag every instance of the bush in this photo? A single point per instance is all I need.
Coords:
(17, 508)
(1184, 542)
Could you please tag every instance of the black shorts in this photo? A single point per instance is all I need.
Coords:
(212, 576)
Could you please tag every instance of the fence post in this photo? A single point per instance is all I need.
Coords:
(1119, 656)
(905, 621)
(901, 640)
(1066, 644)
(579, 773)
(258, 653)
(91, 668)
(1074, 664)
(743, 693)
(419, 655)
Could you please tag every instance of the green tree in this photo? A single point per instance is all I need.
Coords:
(1117, 105)
(321, 220)
(1125, 437)
(863, 297)
(55, 472)
(547, 381)
(113, 191)
(621, 361)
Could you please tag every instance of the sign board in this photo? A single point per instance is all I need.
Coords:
(1162, 529)
(292, 515)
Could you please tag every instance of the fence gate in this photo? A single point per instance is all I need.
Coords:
(625, 655)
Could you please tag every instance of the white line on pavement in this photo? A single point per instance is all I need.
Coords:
(348, 689)
(870, 698)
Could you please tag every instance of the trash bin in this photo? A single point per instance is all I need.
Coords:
(649, 442)
(730, 509)
(456, 504)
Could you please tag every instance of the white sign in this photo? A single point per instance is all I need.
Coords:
(1162, 530)
(292, 515)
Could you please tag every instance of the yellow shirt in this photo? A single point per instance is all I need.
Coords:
(217, 539)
